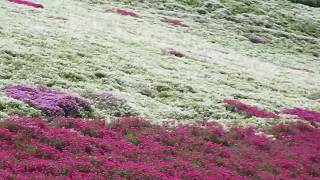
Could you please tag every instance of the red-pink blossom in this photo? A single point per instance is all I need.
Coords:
(124, 12)
(174, 22)
(132, 148)
(250, 110)
(27, 3)
(303, 113)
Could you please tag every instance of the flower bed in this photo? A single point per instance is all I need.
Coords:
(133, 148)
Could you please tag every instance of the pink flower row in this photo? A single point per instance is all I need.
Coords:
(57, 103)
(250, 110)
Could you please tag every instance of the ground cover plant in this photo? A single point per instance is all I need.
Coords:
(203, 102)
(249, 110)
(303, 113)
(27, 3)
(133, 148)
(51, 102)
(123, 12)
(119, 54)
(176, 22)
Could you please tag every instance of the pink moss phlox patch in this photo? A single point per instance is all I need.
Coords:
(250, 110)
(301, 69)
(51, 102)
(123, 12)
(176, 22)
(27, 3)
(132, 148)
(305, 114)
(173, 52)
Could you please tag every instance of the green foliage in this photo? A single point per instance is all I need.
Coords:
(8, 106)
(312, 3)
(239, 7)
(305, 26)
(193, 3)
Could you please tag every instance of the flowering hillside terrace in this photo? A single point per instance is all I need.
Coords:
(170, 89)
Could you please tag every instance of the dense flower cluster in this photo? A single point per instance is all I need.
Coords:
(305, 114)
(27, 3)
(51, 102)
(134, 148)
(123, 12)
(250, 110)
(174, 22)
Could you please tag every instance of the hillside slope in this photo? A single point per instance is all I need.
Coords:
(261, 52)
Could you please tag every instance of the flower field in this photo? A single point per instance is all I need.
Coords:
(132, 148)
(172, 89)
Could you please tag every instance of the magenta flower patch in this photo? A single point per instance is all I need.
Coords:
(123, 12)
(176, 22)
(132, 148)
(27, 3)
(304, 114)
(249, 109)
(51, 102)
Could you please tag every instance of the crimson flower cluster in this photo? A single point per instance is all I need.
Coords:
(27, 3)
(250, 110)
(304, 114)
(133, 148)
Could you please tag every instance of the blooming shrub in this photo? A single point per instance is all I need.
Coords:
(304, 114)
(249, 109)
(124, 12)
(52, 103)
(174, 22)
(27, 3)
(135, 149)
(112, 103)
